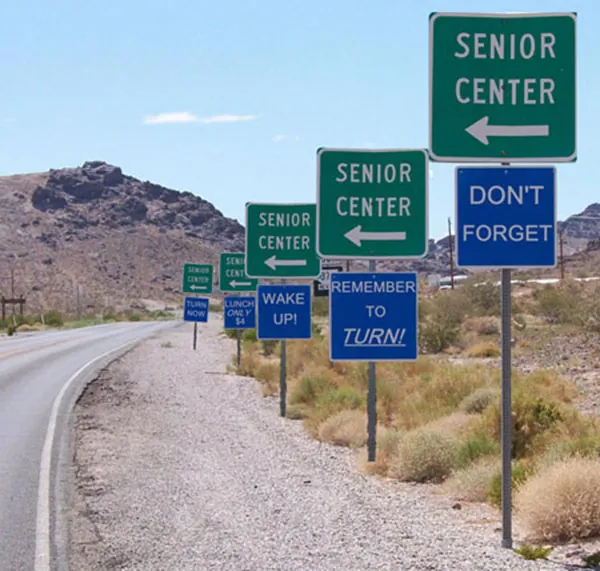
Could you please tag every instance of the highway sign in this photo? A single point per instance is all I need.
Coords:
(284, 312)
(372, 204)
(506, 217)
(196, 309)
(239, 312)
(373, 317)
(232, 273)
(502, 87)
(280, 241)
(321, 285)
(197, 278)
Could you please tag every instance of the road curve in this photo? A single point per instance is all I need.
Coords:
(34, 370)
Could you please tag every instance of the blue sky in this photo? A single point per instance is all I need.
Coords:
(256, 86)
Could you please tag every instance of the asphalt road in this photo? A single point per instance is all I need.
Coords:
(34, 371)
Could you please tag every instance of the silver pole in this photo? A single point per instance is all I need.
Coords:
(372, 399)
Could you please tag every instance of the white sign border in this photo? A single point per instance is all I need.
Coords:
(363, 257)
(456, 221)
(443, 159)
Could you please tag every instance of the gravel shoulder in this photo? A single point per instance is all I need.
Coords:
(180, 466)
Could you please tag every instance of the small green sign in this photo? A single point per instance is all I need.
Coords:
(197, 278)
(280, 241)
(502, 87)
(232, 273)
(372, 204)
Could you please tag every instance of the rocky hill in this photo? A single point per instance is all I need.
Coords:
(94, 237)
(91, 238)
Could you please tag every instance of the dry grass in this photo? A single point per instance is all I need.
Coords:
(482, 325)
(472, 484)
(388, 440)
(424, 455)
(484, 349)
(562, 503)
(346, 428)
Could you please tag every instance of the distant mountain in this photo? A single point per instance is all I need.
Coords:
(96, 238)
(118, 239)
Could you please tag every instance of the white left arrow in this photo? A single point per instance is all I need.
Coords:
(481, 130)
(233, 283)
(195, 287)
(273, 262)
(356, 236)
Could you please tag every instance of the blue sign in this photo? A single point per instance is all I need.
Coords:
(240, 312)
(373, 317)
(506, 217)
(196, 309)
(284, 312)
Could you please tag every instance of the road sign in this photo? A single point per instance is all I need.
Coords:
(280, 241)
(372, 204)
(321, 286)
(373, 317)
(232, 273)
(240, 312)
(196, 309)
(197, 278)
(284, 312)
(502, 87)
(506, 217)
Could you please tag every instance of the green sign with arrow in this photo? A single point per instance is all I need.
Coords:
(372, 204)
(232, 273)
(280, 241)
(197, 278)
(502, 87)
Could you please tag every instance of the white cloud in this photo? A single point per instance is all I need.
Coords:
(187, 117)
(281, 138)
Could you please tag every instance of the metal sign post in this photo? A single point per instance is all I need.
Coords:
(372, 398)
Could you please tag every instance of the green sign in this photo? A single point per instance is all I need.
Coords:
(280, 241)
(232, 273)
(197, 278)
(372, 204)
(502, 87)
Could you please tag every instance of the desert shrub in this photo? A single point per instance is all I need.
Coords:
(320, 306)
(437, 333)
(474, 447)
(559, 304)
(309, 387)
(455, 424)
(346, 428)
(424, 456)
(479, 400)
(562, 503)
(341, 397)
(482, 325)
(483, 298)
(472, 484)
(387, 449)
(268, 347)
(533, 552)
(486, 349)
(295, 411)
(519, 475)
(531, 417)
(53, 318)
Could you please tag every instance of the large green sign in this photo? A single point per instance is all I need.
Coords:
(197, 278)
(372, 204)
(280, 241)
(232, 273)
(502, 87)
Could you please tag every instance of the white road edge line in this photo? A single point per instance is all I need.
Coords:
(42, 531)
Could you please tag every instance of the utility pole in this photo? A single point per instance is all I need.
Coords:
(78, 302)
(451, 254)
(562, 256)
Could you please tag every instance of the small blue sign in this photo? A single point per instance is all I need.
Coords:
(196, 309)
(240, 312)
(373, 317)
(284, 312)
(506, 217)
